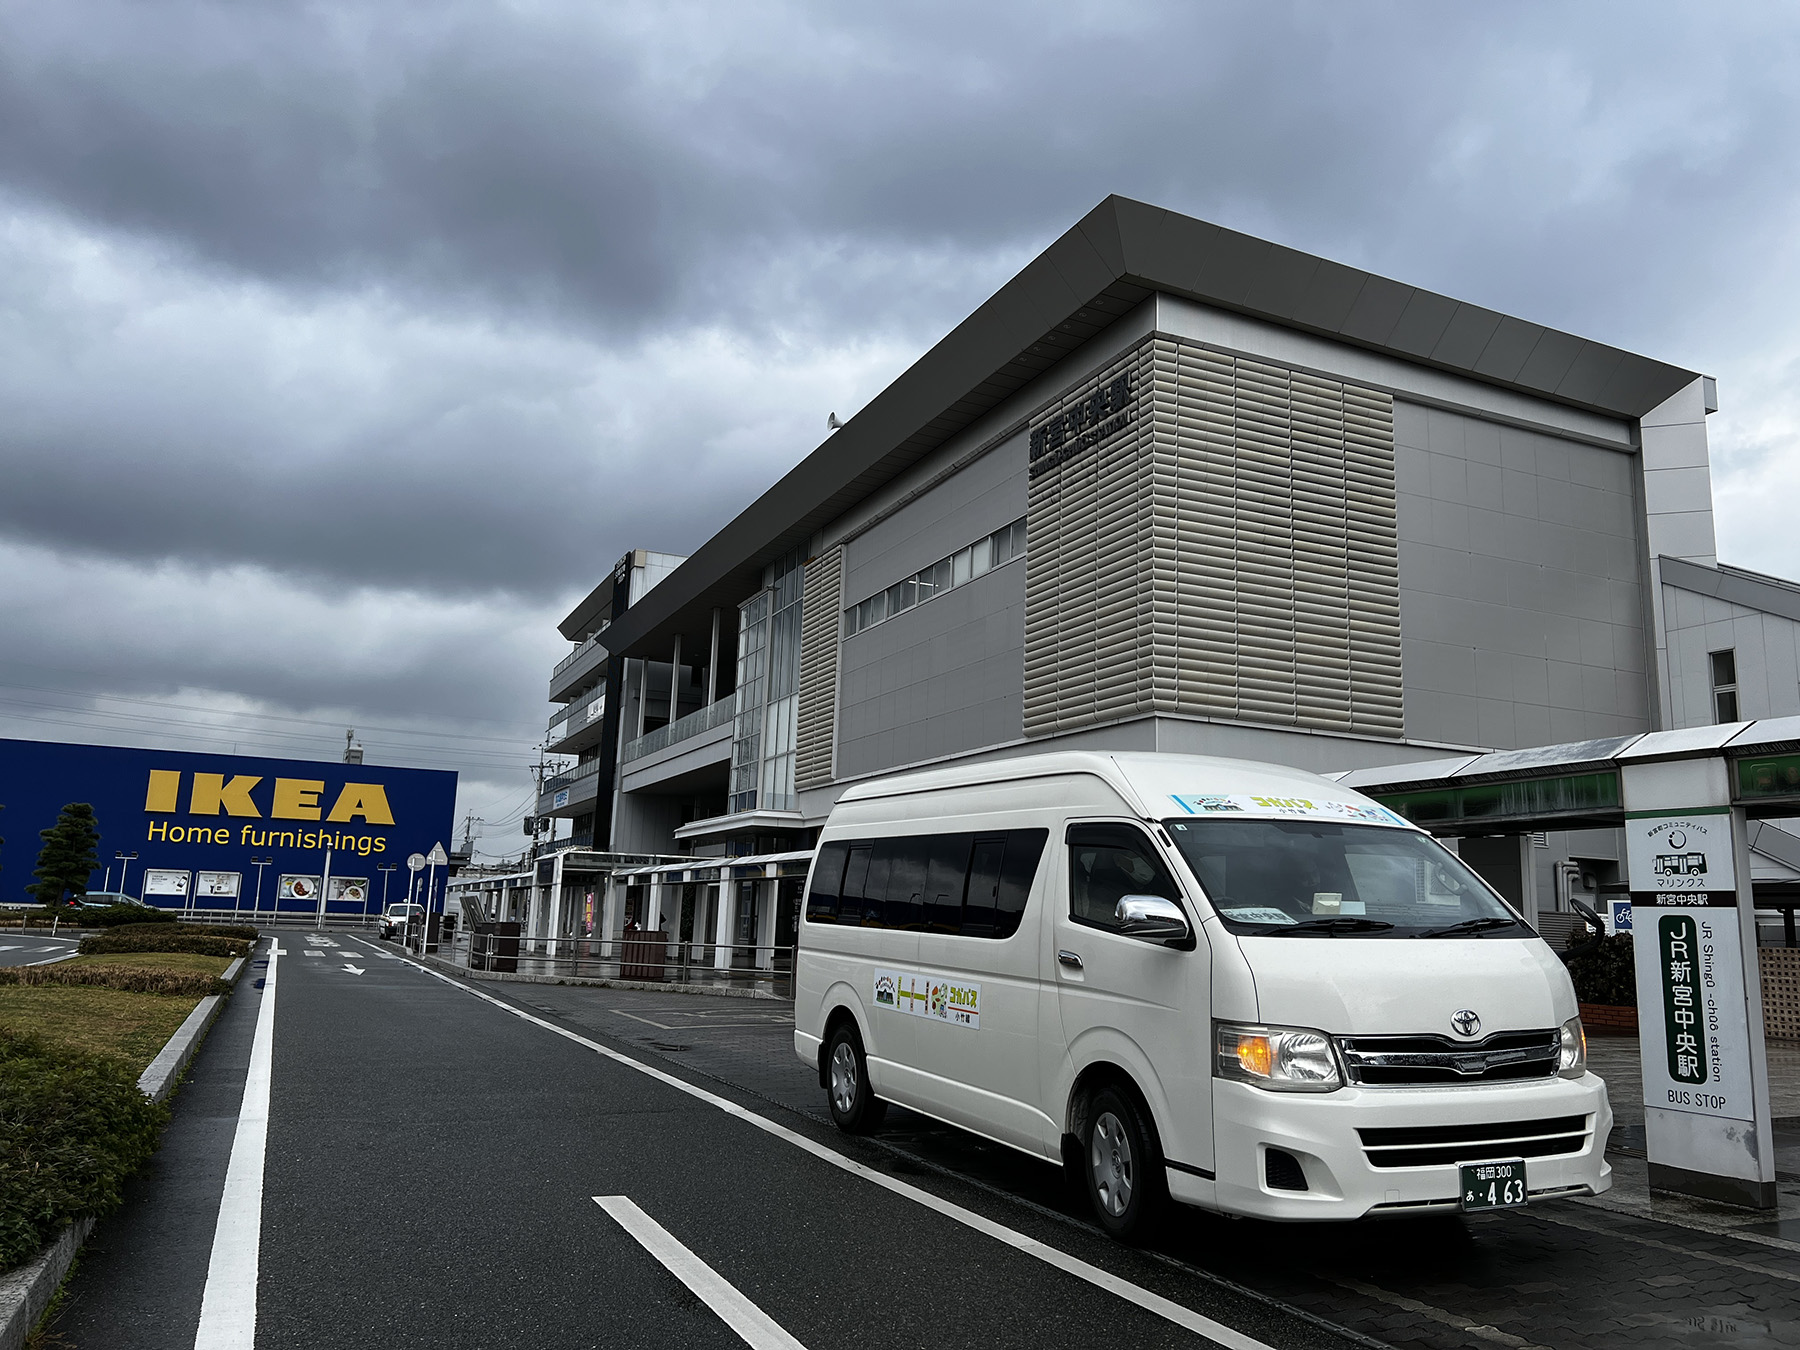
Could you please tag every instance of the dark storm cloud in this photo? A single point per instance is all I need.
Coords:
(412, 318)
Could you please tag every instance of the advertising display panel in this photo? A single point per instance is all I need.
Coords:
(216, 886)
(349, 891)
(209, 818)
(164, 881)
(304, 888)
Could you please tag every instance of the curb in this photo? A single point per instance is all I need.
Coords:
(27, 1291)
(158, 1081)
(595, 981)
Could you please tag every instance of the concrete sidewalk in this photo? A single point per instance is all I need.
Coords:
(1615, 1058)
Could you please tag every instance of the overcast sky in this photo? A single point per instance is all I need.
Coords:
(343, 347)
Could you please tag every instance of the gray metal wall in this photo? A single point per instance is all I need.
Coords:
(1521, 599)
(1768, 657)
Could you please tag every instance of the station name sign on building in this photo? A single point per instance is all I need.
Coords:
(225, 831)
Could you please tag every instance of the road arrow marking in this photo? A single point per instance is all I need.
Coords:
(352, 969)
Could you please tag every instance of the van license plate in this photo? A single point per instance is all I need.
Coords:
(1493, 1185)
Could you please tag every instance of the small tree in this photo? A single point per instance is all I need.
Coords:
(69, 855)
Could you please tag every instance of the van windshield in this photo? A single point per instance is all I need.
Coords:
(1318, 878)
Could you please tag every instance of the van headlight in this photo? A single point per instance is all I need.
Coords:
(1279, 1059)
(1571, 1060)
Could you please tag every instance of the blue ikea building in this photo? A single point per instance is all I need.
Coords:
(227, 832)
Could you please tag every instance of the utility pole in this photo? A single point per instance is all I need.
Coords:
(537, 820)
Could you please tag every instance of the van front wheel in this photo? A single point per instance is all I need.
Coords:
(854, 1106)
(1123, 1166)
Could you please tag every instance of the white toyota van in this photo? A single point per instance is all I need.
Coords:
(1231, 984)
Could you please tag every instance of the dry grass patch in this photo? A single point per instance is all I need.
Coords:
(128, 1028)
(187, 963)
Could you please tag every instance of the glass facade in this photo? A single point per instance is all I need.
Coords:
(762, 747)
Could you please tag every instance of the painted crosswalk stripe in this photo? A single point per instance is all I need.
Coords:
(228, 1307)
(751, 1323)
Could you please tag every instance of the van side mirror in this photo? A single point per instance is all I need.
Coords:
(1151, 918)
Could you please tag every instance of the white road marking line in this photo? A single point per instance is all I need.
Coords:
(352, 969)
(750, 1322)
(228, 1307)
(1165, 1308)
(52, 960)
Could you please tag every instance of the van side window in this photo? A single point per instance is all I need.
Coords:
(822, 898)
(971, 885)
(1001, 869)
(1107, 861)
(854, 906)
(945, 880)
(904, 905)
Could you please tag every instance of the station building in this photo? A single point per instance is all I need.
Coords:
(1175, 488)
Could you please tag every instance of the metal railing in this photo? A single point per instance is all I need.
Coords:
(575, 655)
(703, 719)
(574, 775)
(582, 713)
(633, 957)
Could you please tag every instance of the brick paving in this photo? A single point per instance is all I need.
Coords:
(1558, 1276)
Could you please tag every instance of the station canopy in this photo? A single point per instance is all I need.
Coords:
(1576, 786)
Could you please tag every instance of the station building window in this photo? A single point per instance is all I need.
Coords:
(1724, 685)
(980, 557)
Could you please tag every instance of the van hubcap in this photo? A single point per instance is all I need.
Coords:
(843, 1077)
(1111, 1161)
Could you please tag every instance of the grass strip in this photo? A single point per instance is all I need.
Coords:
(127, 1027)
(131, 979)
(159, 938)
(194, 963)
(73, 1126)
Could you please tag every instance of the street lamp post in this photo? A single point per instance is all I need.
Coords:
(124, 858)
(386, 870)
(258, 864)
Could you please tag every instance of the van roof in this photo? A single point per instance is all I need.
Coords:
(1155, 784)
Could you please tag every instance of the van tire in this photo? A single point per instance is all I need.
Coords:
(1122, 1165)
(855, 1109)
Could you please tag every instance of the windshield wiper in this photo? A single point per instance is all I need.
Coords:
(1467, 926)
(1341, 924)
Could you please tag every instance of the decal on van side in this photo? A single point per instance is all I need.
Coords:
(929, 996)
(1212, 804)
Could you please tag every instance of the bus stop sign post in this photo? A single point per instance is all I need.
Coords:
(1707, 1126)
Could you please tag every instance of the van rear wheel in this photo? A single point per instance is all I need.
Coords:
(1122, 1163)
(855, 1108)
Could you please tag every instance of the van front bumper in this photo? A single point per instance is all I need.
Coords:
(1321, 1131)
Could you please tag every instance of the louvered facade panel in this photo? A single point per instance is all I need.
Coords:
(821, 611)
(1230, 550)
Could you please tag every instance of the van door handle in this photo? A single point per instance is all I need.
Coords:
(1069, 959)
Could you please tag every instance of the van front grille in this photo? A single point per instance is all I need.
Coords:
(1425, 1061)
(1434, 1145)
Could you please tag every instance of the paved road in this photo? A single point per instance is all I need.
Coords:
(433, 1154)
(27, 949)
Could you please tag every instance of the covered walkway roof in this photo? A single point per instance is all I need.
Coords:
(1576, 786)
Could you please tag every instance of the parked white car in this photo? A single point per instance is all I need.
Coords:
(1236, 985)
(393, 921)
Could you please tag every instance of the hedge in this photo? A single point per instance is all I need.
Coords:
(114, 916)
(130, 979)
(72, 1128)
(1607, 974)
(159, 938)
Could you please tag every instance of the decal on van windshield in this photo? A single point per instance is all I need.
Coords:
(1218, 803)
(958, 1003)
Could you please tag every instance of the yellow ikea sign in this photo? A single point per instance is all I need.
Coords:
(212, 794)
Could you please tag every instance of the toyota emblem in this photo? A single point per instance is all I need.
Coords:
(1465, 1021)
